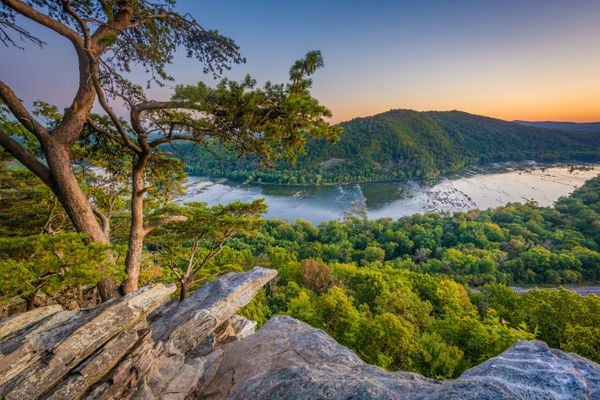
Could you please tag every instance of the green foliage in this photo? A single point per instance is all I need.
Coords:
(404, 144)
(257, 310)
(265, 123)
(381, 314)
(190, 245)
(516, 244)
(50, 264)
(435, 358)
(583, 340)
(26, 206)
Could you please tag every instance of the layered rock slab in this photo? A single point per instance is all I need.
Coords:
(46, 354)
(112, 351)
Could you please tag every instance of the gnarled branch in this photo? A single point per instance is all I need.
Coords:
(26, 158)
(104, 220)
(115, 120)
(164, 221)
(15, 105)
(43, 19)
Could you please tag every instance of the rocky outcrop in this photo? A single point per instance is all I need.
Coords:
(528, 370)
(21, 321)
(143, 345)
(289, 359)
(146, 346)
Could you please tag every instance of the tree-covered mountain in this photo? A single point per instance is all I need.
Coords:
(404, 144)
(567, 126)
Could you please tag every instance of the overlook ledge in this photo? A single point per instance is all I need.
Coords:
(146, 346)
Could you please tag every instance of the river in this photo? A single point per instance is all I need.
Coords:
(478, 188)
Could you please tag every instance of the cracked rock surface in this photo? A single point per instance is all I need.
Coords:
(115, 351)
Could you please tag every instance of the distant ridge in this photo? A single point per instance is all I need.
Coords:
(407, 144)
(567, 126)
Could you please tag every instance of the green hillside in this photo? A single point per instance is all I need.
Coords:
(405, 144)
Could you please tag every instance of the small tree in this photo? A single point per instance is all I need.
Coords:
(272, 121)
(317, 275)
(188, 247)
(49, 264)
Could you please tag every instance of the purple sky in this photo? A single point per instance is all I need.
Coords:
(528, 59)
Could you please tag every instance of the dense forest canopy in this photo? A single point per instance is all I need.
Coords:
(514, 244)
(403, 144)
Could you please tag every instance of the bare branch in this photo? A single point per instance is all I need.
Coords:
(161, 105)
(193, 251)
(164, 221)
(26, 158)
(174, 270)
(136, 119)
(102, 131)
(143, 21)
(108, 109)
(103, 219)
(33, 14)
(80, 22)
(209, 257)
(23, 33)
(20, 112)
(171, 138)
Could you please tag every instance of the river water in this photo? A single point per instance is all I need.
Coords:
(478, 188)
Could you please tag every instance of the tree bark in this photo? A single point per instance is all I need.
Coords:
(76, 204)
(107, 289)
(68, 191)
(183, 290)
(137, 230)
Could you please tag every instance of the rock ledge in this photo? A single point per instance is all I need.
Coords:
(146, 346)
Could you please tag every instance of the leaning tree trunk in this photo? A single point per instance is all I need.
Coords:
(69, 193)
(137, 232)
(75, 202)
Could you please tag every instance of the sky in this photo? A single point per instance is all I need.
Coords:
(509, 59)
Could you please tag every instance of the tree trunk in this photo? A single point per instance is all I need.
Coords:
(107, 289)
(68, 192)
(75, 202)
(183, 290)
(137, 232)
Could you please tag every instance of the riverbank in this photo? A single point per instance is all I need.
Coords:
(496, 167)
(474, 189)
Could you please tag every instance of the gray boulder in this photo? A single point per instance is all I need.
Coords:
(527, 370)
(287, 359)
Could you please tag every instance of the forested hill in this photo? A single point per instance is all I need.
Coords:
(567, 126)
(406, 144)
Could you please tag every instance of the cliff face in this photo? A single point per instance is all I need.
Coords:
(144, 346)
